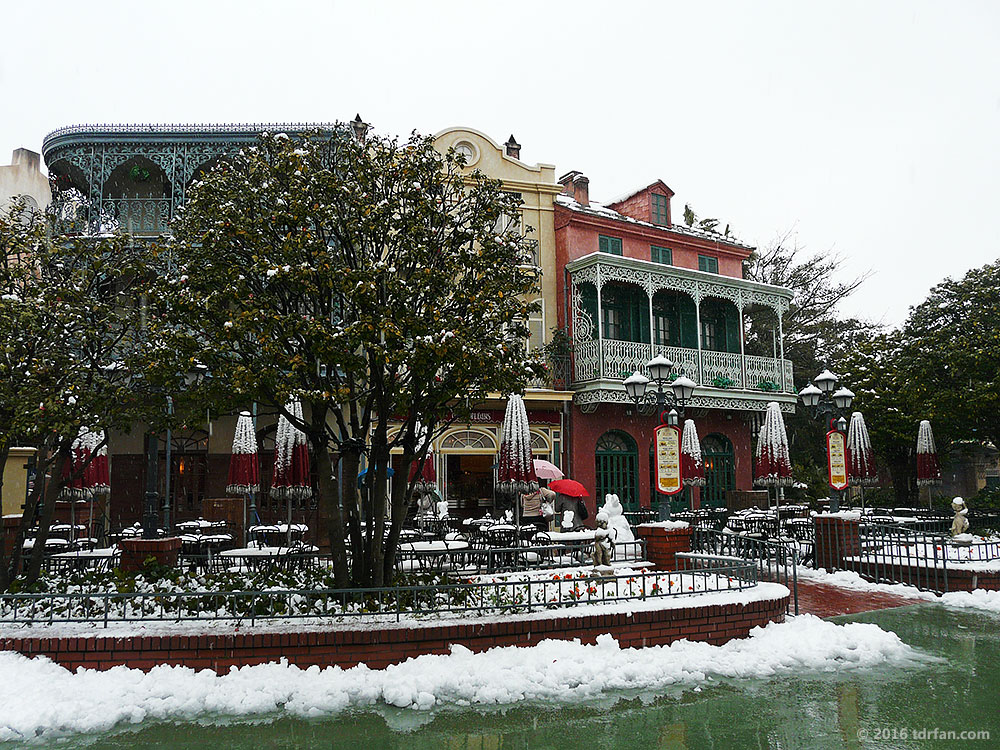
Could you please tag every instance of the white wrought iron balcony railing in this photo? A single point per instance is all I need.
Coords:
(616, 360)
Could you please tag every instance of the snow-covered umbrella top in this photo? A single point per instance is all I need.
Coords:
(861, 469)
(73, 473)
(928, 468)
(291, 459)
(97, 477)
(515, 471)
(692, 466)
(244, 470)
(774, 466)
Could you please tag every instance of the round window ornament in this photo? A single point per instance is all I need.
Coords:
(469, 151)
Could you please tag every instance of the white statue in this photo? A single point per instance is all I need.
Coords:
(442, 508)
(567, 520)
(961, 523)
(620, 529)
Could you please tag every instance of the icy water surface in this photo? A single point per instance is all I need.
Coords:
(886, 707)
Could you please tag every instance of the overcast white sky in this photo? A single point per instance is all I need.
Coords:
(870, 129)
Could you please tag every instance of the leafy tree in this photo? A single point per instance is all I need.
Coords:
(951, 356)
(371, 279)
(67, 339)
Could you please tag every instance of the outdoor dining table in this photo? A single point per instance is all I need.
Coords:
(100, 558)
(257, 557)
(431, 555)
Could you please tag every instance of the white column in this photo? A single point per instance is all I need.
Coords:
(697, 325)
(600, 331)
(652, 330)
(743, 358)
(781, 348)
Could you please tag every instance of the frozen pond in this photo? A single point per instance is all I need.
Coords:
(882, 706)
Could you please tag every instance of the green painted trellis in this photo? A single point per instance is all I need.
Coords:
(720, 469)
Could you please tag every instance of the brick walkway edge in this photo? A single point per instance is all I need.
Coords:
(379, 648)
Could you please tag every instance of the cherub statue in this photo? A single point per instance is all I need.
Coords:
(961, 523)
(602, 542)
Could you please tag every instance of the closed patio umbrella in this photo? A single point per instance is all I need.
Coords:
(928, 467)
(291, 480)
(244, 468)
(861, 470)
(774, 465)
(515, 470)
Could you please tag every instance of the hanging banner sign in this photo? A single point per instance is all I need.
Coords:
(836, 459)
(668, 460)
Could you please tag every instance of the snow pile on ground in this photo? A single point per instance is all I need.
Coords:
(848, 579)
(564, 671)
(977, 599)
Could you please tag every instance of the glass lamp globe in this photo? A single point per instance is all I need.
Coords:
(659, 367)
(826, 381)
(842, 398)
(635, 385)
(683, 388)
(810, 395)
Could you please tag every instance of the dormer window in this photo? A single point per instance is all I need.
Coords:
(660, 214)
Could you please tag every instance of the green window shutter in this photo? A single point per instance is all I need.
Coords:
(732, 330)
(640, 311)
(610, 245)
(689, 324)
(662, 255)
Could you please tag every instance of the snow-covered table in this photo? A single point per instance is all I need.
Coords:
(257, 557)
(101, 558)
(430, 556)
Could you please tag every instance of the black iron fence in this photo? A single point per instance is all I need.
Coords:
(499, 596)
(775, 560)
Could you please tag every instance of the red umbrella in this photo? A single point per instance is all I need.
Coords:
(244, 471)
(291, 459)
(568, 487)
(692, 467)
(774, 467)
(861, 469)
(928, 468)
(515, 471)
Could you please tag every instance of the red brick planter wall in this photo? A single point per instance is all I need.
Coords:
(380, 648)
(662, 545)
(136, 551)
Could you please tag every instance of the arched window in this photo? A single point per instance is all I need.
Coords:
(617, 467)
(720, 469)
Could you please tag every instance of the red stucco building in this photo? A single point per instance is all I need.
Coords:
(635, 284)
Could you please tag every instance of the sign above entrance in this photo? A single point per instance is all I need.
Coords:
(836, 458)
(668, 460)
(493, 416)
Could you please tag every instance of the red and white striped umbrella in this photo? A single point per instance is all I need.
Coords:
(244, 469)
(291, 459)
(692, 466)
(97, 477)
(74, 473)
(516, 471)
(928, 468)
(423, 474)
(774, 465)
(861, 471)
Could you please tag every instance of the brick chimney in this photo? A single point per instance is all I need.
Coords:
(577, 186)
(512, 147)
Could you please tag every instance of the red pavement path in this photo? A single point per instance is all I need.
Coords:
(827, 600)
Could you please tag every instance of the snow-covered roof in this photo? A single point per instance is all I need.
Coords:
(626, 196)
(597, 209)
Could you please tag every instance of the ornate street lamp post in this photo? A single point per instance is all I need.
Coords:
(827, 403)
(669, 393)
